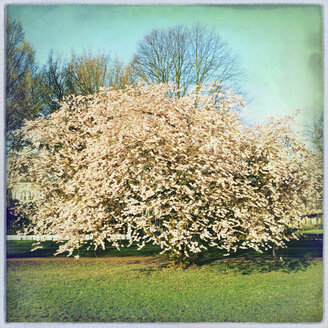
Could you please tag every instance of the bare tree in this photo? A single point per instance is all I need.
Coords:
(315, 133)
(86, 73)
(212, 58)
(81, 74)
(153, 60)
(53, 84)
(186, 56)
(21, 73)
(179, 39)
(120, 75)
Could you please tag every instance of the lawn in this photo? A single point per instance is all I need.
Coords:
(316, 231)
(142, 287)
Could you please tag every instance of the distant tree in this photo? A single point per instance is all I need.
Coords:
(181, 178)
(163, 56)
(315, 133)
(185, 56)
(121, 75)
(212, 58)
(81, 74)
(53, 88)
(86, 73)
(22, 99)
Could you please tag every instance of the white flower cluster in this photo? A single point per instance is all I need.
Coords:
(183, 173)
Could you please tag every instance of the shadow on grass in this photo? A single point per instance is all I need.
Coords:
(296, 257)
(248, 265)
(22, 249)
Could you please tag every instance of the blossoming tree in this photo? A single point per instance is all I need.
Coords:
(185, 174)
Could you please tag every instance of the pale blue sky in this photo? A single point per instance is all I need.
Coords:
(280, 47)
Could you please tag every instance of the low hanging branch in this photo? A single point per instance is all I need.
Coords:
(183, 178)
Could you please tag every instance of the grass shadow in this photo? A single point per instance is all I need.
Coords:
(252, 265)
(296, 257)
(22, 249)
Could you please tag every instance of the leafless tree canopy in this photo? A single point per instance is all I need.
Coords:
(315, 134)
(54, 89)
(186, 56)
(81, 74)
(120, 75)
(21, 97)
(85, 73)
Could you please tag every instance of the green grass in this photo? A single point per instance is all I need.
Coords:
(316, 231)
(22, 248)
(141, 287)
